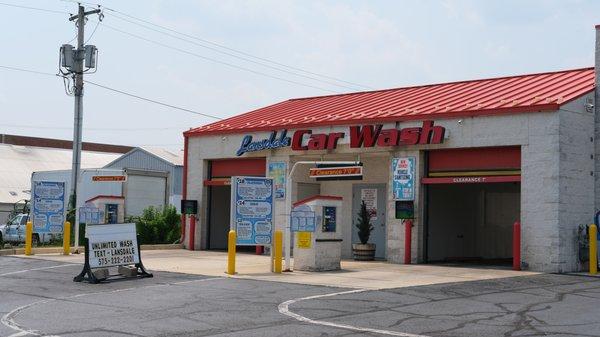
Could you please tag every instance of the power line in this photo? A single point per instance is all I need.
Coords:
(150, 100)
(28, 71)
(113, 90)
(215, 60)
(209, 42)
(234, 55)
(197, 55)
(47, 127)
(33, 8)
(234, 50)
(93, 32)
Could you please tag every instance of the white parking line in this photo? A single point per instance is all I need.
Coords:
(284, 308)
(41, 268)
(8, 319)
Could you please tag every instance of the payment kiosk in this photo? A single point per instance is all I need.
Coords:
(317, 233)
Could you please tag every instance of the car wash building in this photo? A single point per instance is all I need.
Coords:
(465, 160)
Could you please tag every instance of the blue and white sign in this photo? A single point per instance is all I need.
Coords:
(48, 206)
(278, 171)
(91, 215)
(252, 210)
(303, 219)
(403, 178)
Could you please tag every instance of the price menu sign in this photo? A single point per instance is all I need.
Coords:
(112, 245)
(48, 206)
(252, 210)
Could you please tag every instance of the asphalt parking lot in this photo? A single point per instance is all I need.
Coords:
(38, 298)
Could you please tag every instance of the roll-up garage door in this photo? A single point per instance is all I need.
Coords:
(474, 165)
(219, 194)
(143, 191)
(473, 198)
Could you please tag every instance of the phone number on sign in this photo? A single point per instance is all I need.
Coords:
(115, 260)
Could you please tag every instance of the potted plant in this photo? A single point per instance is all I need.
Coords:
(364, 251)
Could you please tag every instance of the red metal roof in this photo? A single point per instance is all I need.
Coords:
(504, 95)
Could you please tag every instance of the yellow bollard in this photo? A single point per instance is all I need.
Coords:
(231, 253)
(28, 237)
(593, 250)
(278, 251)
(66, 238)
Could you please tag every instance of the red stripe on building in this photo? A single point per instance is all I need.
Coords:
(238, 167)
(473, 159)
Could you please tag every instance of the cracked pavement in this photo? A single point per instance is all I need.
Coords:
(175, 304)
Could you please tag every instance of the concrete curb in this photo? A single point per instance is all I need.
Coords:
(58, 250)
(165, 246)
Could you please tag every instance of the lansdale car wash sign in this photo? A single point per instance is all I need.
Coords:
(360, 137)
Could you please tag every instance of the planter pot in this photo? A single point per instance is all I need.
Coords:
(363, 252)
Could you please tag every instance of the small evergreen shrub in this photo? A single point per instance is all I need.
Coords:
(364, 224)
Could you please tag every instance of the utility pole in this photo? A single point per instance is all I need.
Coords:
(75, 62)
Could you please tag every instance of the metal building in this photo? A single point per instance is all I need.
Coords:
(154, 177)
(21, 156)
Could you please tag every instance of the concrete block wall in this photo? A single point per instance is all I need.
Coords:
(395, 227)
(279, 219)
(577, 166)
(195, 190)
(539, 194)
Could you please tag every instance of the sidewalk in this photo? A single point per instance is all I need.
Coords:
(371, 275)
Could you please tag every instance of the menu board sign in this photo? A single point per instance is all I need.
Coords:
(48, 206)
(252, 210)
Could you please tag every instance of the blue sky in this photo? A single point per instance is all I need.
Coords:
(379, 44)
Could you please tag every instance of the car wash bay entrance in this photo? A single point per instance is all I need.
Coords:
(219, 195)
(472, 199)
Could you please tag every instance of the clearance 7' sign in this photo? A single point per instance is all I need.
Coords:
(336, 172)
(360, 137)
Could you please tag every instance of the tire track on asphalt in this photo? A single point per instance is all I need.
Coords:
(284, 308)
(8, 319)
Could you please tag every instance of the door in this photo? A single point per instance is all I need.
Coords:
(220, 213)
(21, 228)
(144, 191)
(374, 196)
(13, 228)
(111, 212)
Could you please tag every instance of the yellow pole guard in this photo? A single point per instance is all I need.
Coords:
(66, 238)
(231, 253)
(28, 237)
(278, 251)
(593, 250)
